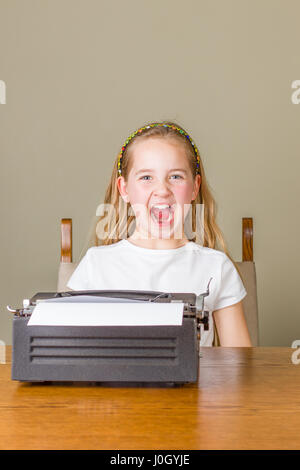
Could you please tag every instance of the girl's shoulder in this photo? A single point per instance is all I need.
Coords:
(204, 250)
(211, 257)
(104, 248)
(107, 247)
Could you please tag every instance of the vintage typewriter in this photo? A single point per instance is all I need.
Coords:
(165, 354)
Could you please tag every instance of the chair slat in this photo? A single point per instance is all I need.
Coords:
(66, 241)
(247, 235)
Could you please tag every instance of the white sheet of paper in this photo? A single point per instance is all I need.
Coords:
(89, 298)
(100, 313)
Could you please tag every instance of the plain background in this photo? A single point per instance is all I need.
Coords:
(82, 75)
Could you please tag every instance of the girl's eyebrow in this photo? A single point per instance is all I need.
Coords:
(151, 171)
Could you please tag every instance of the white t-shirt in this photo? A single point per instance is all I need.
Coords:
(125, 266)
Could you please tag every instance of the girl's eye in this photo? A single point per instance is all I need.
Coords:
(179, 176)
(146, 176)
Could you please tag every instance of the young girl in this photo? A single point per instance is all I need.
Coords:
(159, 178)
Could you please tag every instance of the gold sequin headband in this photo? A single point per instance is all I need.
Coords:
(139, 131)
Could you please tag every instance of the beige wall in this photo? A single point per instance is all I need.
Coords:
(81, 75)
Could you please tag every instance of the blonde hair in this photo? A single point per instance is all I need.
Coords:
(116, 215)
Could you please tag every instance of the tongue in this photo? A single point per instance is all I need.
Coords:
(161, 213)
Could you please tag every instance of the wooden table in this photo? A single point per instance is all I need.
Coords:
(246, 398)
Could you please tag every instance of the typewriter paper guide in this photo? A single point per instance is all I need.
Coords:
(88, 311)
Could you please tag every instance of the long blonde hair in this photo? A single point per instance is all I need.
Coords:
(114, 224)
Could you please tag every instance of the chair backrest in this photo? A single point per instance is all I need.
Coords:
(246, 267)
(248, 273)
(65, 271)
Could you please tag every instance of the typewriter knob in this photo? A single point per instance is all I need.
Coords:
(205, 320)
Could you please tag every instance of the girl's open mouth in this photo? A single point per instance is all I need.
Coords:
(162, 214)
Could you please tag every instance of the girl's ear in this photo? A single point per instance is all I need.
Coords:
(122, 188)
(197, 184)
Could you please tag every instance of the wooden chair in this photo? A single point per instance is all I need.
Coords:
(248, 273)
(246, 268)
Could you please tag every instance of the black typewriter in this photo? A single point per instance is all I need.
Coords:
(165, 354)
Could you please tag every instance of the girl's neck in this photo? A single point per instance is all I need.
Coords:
(157, 243)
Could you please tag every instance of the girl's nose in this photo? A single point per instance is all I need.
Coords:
(162, 188)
